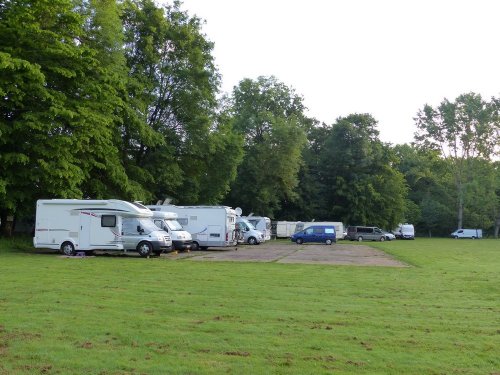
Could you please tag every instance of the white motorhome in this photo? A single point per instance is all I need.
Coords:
(210, 226)
(181, 239)
(262, 224)
(468, 233)
(76, 225)
(248, 232)
(284, 229)
(339, 227)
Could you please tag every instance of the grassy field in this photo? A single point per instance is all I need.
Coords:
(127, 315)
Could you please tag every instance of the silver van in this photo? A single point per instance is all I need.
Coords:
(359, 233)
(248, 233)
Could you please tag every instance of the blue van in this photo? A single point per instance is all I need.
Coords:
(316, 233)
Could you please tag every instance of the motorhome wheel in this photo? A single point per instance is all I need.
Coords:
(68, 249)
(195, 246)
(144, 249)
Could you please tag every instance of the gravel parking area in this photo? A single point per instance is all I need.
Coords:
(283, 252)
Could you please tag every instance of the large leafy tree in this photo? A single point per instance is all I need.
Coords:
(56, 112)
(358, 177)
(175, 86)
(463, 131)
(269, 115)
(431, 195)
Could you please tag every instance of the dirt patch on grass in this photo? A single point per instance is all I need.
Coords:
(283, 252)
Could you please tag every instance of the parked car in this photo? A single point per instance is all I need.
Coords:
(316, 233)
(361, 233)
(389, 236)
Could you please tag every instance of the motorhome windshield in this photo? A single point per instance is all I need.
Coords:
(147, 225)
(173, 225)
(249, 224)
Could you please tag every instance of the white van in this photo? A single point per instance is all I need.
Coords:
(181, 239)
(468, 233)
(250, 235)
(74, 225)
(261, 223)
(209, 226)
(405, 231)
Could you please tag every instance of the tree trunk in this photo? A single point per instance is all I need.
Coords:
(460, 190)
(497, 227)
(6, 222)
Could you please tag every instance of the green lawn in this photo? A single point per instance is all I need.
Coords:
(128, 315)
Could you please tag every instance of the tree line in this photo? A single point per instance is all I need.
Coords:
(121, 99)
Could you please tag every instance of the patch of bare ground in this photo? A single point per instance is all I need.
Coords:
(283, 252)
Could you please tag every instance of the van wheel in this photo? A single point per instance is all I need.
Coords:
(382, 239)
(195, 246)
(299, 241)
(252, 241)
(360, 239)
(328, 242)
(144, 249)
(473, 237)
(68, 249)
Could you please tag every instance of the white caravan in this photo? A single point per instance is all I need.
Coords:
(284, 229)
(468, 233)
(339, 227)
(181, 239)
(262, 224)
(76, 225)
(210, 226)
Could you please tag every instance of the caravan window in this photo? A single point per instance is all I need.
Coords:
(182, 221)
(108, 221)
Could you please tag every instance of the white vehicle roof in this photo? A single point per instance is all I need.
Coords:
(117, 206)
(164, 215)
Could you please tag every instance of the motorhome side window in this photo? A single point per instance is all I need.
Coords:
(182, 221)
(108, 221)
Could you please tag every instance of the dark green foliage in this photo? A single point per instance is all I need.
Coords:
(175, 83)
(360, 184)
(269, 115)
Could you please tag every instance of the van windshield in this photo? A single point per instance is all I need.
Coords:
(173, 225)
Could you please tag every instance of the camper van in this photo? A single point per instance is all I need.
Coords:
(181, 239)
(339, 227)
(261, 223)
(81, 225)
(209, 226)
(249, 234)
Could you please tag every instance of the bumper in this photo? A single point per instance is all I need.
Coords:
(182, 245)
(161, 245)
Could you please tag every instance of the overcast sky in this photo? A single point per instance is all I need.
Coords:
(383, 57)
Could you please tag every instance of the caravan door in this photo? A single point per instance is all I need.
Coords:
(85, 229)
